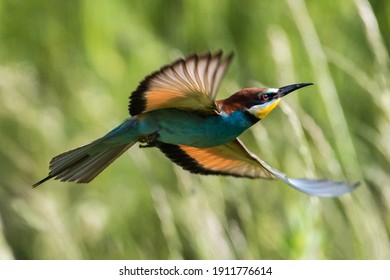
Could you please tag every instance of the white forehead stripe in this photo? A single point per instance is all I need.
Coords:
(272, 90)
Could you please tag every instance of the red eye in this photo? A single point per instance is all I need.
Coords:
(264, 97)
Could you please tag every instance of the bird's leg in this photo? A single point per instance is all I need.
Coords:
(149, 140)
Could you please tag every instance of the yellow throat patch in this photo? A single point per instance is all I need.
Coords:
(261, 111)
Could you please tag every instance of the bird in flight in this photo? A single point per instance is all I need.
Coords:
(174, 109)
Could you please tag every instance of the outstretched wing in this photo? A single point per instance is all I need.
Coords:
(230, 159)
(190, 83)
(235, 160)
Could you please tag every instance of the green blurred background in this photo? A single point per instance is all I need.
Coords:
(68, 67)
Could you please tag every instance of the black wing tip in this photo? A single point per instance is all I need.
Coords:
(218, 54)
(355, 185)
(349, 188)
(229, 57)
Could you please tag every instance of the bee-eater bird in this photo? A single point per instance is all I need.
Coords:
(174, 109)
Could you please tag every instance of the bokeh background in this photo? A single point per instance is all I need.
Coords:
(68, 67)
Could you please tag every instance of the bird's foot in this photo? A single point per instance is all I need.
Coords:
(147, 145)
(149, 141)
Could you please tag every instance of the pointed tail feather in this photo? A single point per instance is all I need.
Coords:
(83, 164)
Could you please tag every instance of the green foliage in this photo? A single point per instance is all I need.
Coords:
(67, 68)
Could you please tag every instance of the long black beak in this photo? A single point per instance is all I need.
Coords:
(290, 88)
